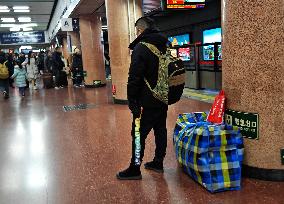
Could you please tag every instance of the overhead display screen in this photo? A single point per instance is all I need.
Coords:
(185, 4)
(212, 36)
(179, 40)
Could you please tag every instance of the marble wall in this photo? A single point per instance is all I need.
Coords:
(92, 48)
(253, 72)
(121, 15)
(75, 39)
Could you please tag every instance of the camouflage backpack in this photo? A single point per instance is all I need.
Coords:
(171, 77)
(4, 72)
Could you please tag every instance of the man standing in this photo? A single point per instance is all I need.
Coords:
(77, 68)
(148, 112)
(57, 67)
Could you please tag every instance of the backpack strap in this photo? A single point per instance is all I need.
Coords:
(153, 48)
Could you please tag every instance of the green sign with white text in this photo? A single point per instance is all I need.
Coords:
(247, 122)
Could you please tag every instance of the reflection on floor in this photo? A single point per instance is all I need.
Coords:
(56, 157)
(207, 96)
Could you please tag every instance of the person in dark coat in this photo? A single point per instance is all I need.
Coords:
(150, 112)
(40, 62)
(77, 68)
(21, 57)
(48, 62)
(4, 83)
(57, 66)
(10, 65)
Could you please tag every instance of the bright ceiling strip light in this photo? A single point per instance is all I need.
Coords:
(27, 29)
(22, 11)
(28, 25)
(8, 20)
(4, 10)
(15, 29)
(7, 25)
(24, 19)
(21, 7)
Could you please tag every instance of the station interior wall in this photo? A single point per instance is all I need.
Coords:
(194, 22)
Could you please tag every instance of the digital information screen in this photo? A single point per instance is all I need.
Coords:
(179, 40)
(212, 36)
(184, 54)
(185, 4)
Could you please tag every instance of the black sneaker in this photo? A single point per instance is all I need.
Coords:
(6, 95)
(155, 166)
(132, 173)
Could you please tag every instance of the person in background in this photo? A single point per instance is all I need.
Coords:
(32, 71)
(4, 83)
(15, 56)
(22, 57)
(40, 62)
(10, 65)
(48, 62)
(57, 66)
(107, 66)
(77, 68)
(20, 76)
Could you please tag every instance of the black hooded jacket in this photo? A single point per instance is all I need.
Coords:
(144, 64)
(2, 59)
(77, 62)
(57, 63)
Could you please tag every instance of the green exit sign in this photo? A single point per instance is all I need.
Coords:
(247, 122)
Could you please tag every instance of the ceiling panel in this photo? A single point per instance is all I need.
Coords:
(88, 7)
(149, 5)
(40, 12)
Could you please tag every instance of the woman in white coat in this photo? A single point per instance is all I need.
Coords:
(32, 71)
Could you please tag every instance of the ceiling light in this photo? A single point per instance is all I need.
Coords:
(8, 20)
(22, 11)
(7, 25)
(24, 19)
(21, 7)
(4, 10)
(15, 29)
(28, 25)
(27, 29)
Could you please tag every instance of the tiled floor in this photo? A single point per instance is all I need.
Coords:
(51, 156)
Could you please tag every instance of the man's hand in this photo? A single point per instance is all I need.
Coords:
(135, 108)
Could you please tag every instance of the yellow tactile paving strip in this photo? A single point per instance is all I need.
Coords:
(200, 95)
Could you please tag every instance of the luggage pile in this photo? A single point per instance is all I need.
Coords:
(210, 153)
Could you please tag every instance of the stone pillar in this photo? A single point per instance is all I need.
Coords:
(121, 15)
(65, 51)
(253, 77)
(75, 39)
(92, 48)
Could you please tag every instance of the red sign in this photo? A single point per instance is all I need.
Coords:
(216, 114)
(113, 90)
(182, 4)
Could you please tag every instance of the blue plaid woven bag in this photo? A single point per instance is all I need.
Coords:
(210, 154)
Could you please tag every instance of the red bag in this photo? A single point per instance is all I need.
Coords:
(216, 114)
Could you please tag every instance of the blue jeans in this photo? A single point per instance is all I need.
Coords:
(22, 91)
